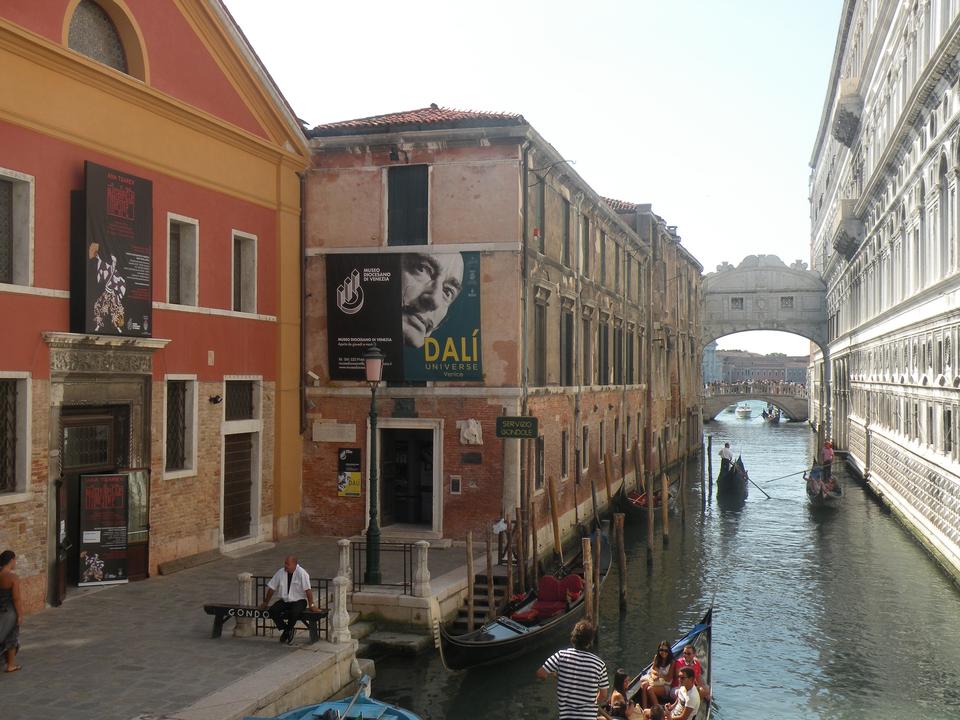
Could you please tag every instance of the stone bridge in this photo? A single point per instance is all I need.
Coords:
(762, 293)
(791, 399)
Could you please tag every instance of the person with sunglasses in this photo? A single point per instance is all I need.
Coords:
(689, 659)
(656, 684)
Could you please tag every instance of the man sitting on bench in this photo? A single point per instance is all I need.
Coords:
(292, 584)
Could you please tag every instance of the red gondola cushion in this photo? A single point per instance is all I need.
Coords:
(525, 616)
(548, 589)
(572, 587)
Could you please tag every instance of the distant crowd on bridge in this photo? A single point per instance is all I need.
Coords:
(756, 387)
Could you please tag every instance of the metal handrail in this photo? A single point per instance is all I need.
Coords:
(358, 549)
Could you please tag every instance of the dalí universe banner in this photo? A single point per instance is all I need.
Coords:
(420, 307)
(103, 529)
(119, 253)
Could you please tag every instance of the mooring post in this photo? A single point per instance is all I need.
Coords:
(587, 550)
(521, 555)
(621, 560)
(534, 568)
(710, 464)
(596, 578)
(421, 571)
(470, 581)
(491, 607)
(665, 506)
(555, 517)
(511, 530)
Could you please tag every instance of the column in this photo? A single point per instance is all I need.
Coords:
(244, 626)
(339, 617)
(345, 570)
(421, 570)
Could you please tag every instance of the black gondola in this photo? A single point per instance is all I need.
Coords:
(545, 616)
(634, 503)
(701, 636)
(820, 493)
(732, 480)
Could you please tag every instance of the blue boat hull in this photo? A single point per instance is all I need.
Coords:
(363, 707)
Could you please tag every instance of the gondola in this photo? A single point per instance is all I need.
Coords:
(732, 480)
(819, 496)
(544, 616)
(771, 416)
(352, 708)
(701, 635)
(634, 503)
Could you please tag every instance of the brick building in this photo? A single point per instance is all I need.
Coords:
(147, 158)
(498, 282)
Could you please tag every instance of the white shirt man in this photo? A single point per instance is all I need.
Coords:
(291, 584)
(687, 704)
(726, 453)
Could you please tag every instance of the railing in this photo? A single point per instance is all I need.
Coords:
(756, 387)
(358, 561)
(321, 593)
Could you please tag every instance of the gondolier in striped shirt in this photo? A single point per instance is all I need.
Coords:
(582, 681)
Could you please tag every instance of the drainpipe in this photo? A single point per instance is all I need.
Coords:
(524, 331)
(303, 301)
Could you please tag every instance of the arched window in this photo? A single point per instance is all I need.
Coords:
(945, 225)
(92, 33)
(106, 31)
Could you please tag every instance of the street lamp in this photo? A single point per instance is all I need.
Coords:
(373, 371)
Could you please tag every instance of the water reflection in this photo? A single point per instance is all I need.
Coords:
(817, 615)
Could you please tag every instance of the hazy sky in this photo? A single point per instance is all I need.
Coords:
(708, 109)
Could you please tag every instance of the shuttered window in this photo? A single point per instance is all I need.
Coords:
(174, 279)
(407, 205)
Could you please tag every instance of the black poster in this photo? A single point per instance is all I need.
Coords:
(118, 254)
(348, 472)
(421, 307)
(103, 529)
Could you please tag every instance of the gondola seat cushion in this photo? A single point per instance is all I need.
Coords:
(551, 600)
(572, 586)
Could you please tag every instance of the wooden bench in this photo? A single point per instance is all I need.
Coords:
(225, 611)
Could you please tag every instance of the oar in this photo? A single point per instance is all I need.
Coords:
(758, 487)
(785, 476)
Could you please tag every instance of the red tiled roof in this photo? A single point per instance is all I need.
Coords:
(432, 118)
(621, 205)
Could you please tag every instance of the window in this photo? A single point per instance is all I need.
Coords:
(616, 267)
(16, 227)
(566, 348)
(14, 435)
(948, 431)
(585, 246)
(616, 436)
(786, 303)
(736, 303)
(181, 423)
(540, 345)
(182, 261)
(629, 276)
(407, 204)
(586, 370)
(603, 258)
(617, 356)
(603, 354)
(631, 369)
(541, 214)
(628, 443)
(602, 443)
(929, 425)
(244, 272)
(538, 480)
(585, 448)
(240, 400)
(92, 33)
(564, 453)
(565, 257)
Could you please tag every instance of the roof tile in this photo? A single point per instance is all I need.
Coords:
(432, 117)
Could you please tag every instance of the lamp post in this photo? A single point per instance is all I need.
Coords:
(373, 368)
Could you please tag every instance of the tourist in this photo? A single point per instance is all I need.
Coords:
(620, 706)
(689, 659)
(828, 460)
(687, 703)
(656, 684)
(582, 681)
(11, 609)
(292, 584)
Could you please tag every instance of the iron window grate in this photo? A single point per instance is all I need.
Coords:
(176, 424)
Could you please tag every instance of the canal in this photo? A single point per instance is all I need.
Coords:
(836, 615)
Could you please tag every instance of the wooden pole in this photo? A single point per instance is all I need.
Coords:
(639, 482)
(596, 578)
(621, 560)
(665, 506)
(587, 577)
(606, 479)
(703, 488)
(555, 517)
(511, 531)
(521, 563)
(534, 555)
(577, 473)
(683, 473)
(470, 580)
(491, 606)
(710, 464)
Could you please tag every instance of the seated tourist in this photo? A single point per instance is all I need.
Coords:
(687, 704)
(620, 706)
(656, 684)
(689, 659)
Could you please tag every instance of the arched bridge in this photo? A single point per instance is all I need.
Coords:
(789, 397)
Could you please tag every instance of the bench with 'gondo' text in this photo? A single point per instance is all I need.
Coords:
(225, 611)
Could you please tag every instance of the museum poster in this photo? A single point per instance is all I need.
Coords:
(118, 253)
(420, 307)
(103, 529)
(348, 472)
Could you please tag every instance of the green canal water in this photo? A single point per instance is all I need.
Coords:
(837, 614)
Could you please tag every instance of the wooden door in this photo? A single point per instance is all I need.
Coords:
(237, 485)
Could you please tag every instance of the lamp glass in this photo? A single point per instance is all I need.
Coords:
(373, 364)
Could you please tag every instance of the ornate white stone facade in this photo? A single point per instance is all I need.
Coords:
(884, 209)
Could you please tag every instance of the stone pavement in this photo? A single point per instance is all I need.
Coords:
(145, 647)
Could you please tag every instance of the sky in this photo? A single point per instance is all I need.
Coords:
(708, 109)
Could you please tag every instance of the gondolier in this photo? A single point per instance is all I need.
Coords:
(726, 457)
(582, 682)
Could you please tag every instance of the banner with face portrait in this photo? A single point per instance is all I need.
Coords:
(420, 307)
